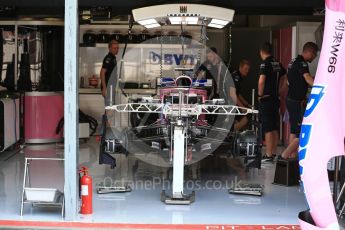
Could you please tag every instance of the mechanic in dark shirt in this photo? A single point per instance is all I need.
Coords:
(109, 65)
(298, 80)
(271, 72)
(237, 76)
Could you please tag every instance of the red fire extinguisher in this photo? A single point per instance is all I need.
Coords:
(86, 192)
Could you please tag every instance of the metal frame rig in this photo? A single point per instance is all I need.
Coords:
(181, 134)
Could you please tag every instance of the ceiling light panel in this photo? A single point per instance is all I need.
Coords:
(219, 22)
(188, 12)
(152, 25)
(175, 20)
(147, 21)
(192, 20)
(215, 25)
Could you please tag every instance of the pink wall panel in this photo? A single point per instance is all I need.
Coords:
(41, 116)
(285, 58)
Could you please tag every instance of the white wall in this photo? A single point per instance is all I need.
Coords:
(136, 66)
(305, 31)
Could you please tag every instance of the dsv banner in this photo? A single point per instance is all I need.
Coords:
(172, 59)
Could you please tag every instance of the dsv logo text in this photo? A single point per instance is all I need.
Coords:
(173, 59)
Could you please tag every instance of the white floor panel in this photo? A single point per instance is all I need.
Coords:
(213, 204)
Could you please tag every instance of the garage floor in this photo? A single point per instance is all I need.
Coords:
(213, 204)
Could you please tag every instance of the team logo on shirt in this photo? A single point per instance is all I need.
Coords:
(276, 66)
(315, 97)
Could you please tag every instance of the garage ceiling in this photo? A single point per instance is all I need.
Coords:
(273, 7)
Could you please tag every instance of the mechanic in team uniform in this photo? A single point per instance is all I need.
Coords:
(109, 65)
(298, 81)
(271, 72)
(237, 77)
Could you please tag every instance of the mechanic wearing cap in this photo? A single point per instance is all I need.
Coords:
(237, 76)
(269, 86)
(298, 81)
(109, 64)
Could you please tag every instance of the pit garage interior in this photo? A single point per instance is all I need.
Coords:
(161, 154)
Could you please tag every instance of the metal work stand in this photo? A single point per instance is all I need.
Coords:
(175, 113)
(48, 197)
(247, 189)
(118, 189)
(106, 147)
(338, 198)
(179, 147)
